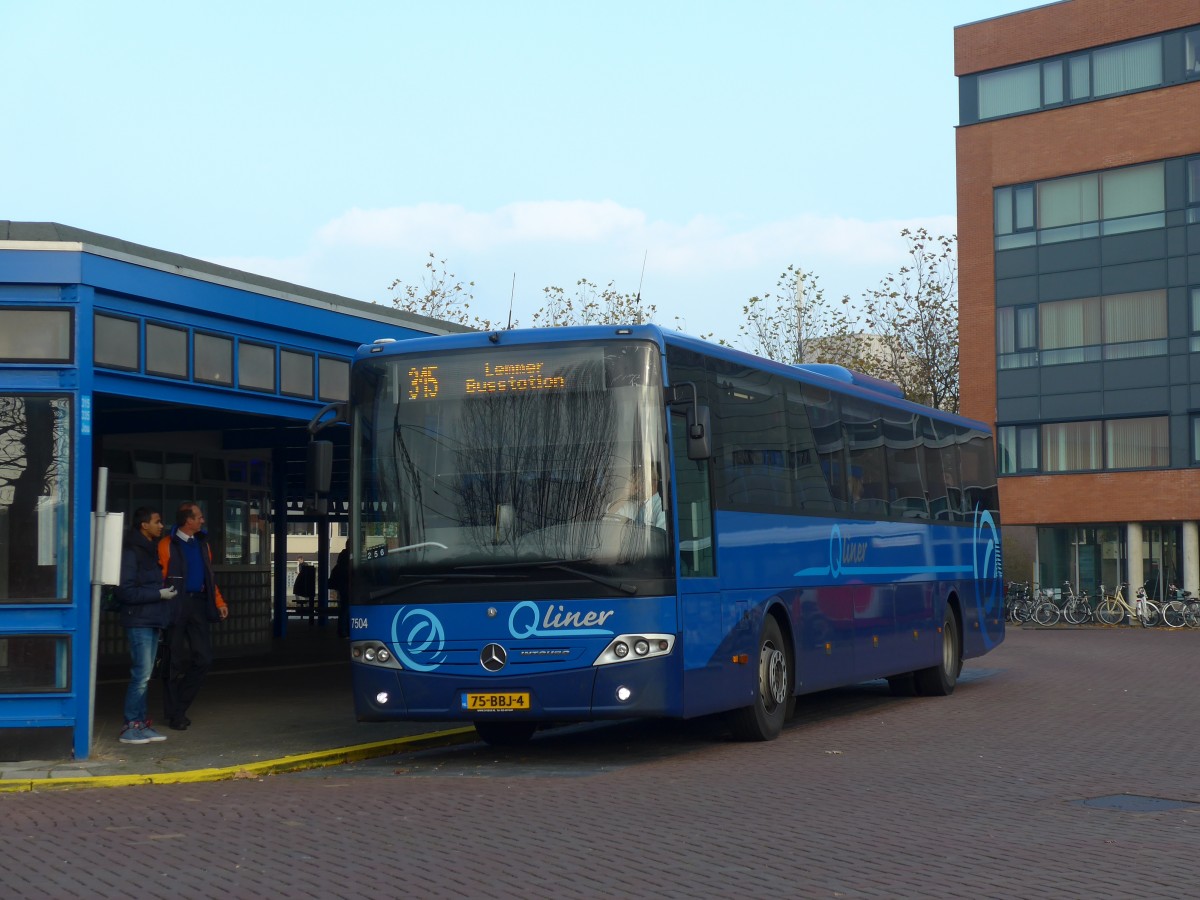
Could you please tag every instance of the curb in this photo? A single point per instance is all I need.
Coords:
(301, 762)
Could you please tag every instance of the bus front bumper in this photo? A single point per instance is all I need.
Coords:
(642, 688)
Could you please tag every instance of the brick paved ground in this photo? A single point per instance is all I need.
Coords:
(864, 795)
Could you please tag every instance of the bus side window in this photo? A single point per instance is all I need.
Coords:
(694, 505)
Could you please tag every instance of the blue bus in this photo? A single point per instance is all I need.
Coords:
(587, 523)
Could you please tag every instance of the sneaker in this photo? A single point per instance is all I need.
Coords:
(133, 734)
(151, 735)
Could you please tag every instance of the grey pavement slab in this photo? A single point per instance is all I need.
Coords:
(293, 705)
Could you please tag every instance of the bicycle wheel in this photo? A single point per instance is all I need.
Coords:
(1077, 611)
(1046, 613)
(1191, 613)
(1151, 614)
(1110, 612)
(1172, 613)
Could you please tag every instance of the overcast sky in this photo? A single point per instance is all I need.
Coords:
(336, 145)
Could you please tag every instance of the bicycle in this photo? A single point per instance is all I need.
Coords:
(1174, 611)
(1184, 602)
(1045, 611)
(1077, 609)
(1115, 609)
(1018, 602)
(1191, 610)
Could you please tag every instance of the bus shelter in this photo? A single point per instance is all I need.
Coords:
(165, 379)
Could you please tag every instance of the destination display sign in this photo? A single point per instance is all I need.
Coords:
(496, 373)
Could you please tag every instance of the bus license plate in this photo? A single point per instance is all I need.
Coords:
(495, 702)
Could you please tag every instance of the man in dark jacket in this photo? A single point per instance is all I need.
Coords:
(147, 607)
(186, 561)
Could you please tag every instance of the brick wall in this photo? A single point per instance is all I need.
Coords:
(1063, 27)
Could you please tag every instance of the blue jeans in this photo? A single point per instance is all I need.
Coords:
(143, 644)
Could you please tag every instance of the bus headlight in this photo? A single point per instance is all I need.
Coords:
(644, 646)
(374, 653)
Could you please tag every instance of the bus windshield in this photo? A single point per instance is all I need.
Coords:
(510, 471)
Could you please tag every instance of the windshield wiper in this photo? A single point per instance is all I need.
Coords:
(622, 586)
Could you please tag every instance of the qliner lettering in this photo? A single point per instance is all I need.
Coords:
(514, 377)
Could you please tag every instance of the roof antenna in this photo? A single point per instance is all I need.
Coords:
(642, 277)
(510, 302)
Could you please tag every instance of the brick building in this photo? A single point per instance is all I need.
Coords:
(1079, 250)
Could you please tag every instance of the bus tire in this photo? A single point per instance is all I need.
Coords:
(505, 734)
(939, 680)
(763, 720)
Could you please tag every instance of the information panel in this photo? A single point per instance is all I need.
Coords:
(500, 372)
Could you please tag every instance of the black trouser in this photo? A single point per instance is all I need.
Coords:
(187, 656)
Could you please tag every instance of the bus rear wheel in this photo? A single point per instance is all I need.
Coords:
(939, 680)
(504, 734)
(763, 720)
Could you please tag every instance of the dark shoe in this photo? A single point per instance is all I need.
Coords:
(178, 724)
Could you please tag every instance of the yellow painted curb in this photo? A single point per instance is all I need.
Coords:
(298, 763)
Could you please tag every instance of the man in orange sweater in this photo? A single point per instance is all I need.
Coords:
(186, 561)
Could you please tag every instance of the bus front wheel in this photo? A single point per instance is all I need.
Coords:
(939, 680)
(504, 734)
(763, 720)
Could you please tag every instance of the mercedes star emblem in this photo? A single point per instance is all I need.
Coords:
(493, 657)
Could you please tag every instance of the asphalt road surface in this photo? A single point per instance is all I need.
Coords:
(1061, 767)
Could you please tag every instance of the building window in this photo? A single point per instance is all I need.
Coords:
(1142, 443)
(214, 359)
(1127, 67)
(1068, 208)
(1137, 443)
(166, 351)
(1191, 54)
(1071, 447)
(1134, 65)
(1015, 225)
(1052, 82)
(1132, 198)
(1195, 440)
(36, 335)
(1117, 201)
(35, 664)
(1079, 69)
(1016, 337)
(1017, 448)
(1009, 91)
(1120, 326)
(116, 343)
(296, 373)
(1193, 189)
(1070, 331)
(35, 499)
(1135, 324)
(256, 367)
(335, 379)
(1195, 342)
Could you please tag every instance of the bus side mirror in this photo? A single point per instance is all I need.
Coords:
(699, 431)
(318, 475)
